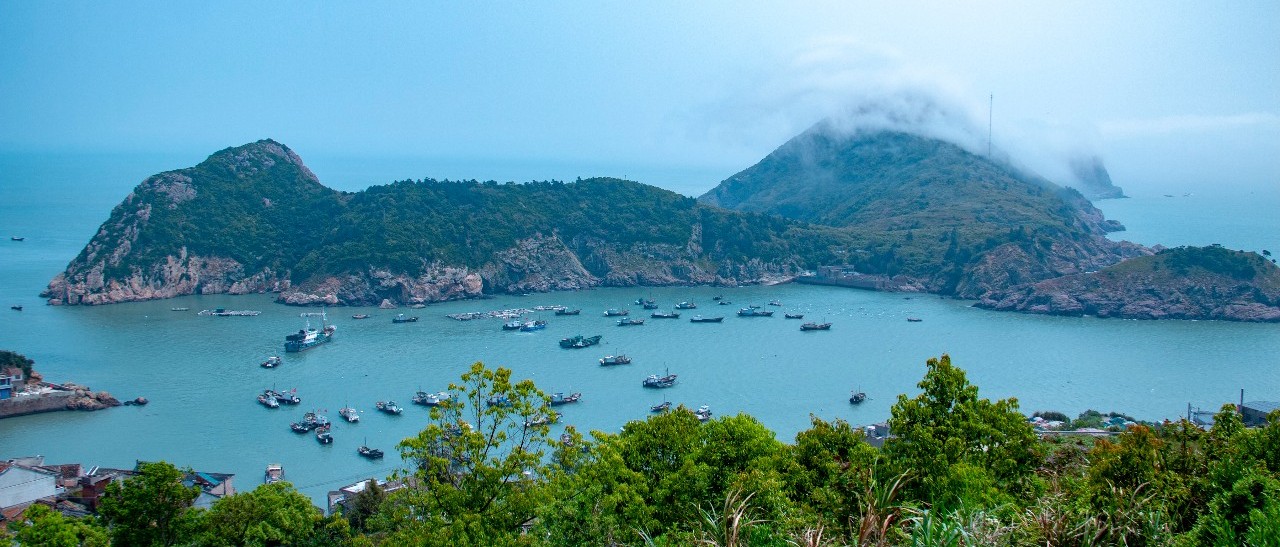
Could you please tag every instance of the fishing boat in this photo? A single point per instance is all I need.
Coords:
(725, 303)
(309, 337)
(272, 362)
(402, 318)
(513, 324)
(360, 316)
(559, 398)
(701, 319)
(273, 474)
(290, 398)
(531, 326)
(656, 381)
(579, 341)
(686, 305)
(661, 407)
(565, 311)
(610, 360)
(627, 322)
(179, 309)
(349, 414)
(17, 238)
(309, 422)
(268, 401)
(775, 302)
(388, 407)
(323, 436)
(754, 311)
(542, 419)
(371, 453)
(650, 305)
(914, 319)
(497, 400)
(717, 298)
(816, 326)
(665, 315)
(615, 312)
(856, 397)
(793, 315)
(703, 413)
(16, 308)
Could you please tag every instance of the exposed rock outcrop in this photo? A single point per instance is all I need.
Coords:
(1092, 179)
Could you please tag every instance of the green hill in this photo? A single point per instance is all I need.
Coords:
(255, 219)
(957, 222)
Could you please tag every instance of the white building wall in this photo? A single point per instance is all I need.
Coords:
(20, 485)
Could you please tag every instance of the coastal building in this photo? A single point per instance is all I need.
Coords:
(343, 497)
(11, 382)
(23, 482)
(1254, 413)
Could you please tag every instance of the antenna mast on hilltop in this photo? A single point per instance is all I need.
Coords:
(991, 101)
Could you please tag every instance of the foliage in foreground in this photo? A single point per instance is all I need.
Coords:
(961, 470)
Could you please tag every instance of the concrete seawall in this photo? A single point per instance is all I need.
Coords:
(34, 404)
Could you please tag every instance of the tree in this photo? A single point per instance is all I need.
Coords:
(832, 466)
(479, 465)
(11, 359)
(271, 514)
(43, 526)
(959, 448)
(151, 508)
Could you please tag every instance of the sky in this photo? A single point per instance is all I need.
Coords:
(676, 94)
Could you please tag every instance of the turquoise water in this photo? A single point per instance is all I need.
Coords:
(202, 373)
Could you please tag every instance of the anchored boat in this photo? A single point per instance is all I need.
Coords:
(309, 337)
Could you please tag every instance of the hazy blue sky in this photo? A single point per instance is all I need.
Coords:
(677, 94)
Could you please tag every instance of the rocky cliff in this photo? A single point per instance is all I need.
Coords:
(1183, 283)
(254, 219)
(1091, 178)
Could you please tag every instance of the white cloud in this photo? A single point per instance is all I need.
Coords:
(1185, 123)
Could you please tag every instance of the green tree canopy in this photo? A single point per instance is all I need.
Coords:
(150, 508)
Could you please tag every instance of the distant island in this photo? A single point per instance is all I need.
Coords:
(907, 212)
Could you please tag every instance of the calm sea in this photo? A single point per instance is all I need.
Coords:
(202, 373)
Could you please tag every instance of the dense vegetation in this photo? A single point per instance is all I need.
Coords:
(1214, 259)
(960, 470)
(914, 205)
(18, 360)
(258, 205)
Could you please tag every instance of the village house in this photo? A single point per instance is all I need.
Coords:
(343, 497)
(11, 382)
(23, 482)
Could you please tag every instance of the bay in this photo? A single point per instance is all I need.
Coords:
(201, 373)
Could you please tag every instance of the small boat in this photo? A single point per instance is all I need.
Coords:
(498, 400)
(609, 360)
(856, 397)
(307, 337)
(290, 398)
(533, 326)
(686, 305)
(754, 311)
(725, 303)
(16, 308)
(309, 422)
(579, 341)
(371, 453)
(650, 305)
(665, 315)
(542, 419)
(273, 474)
(268, 401)
(513, 324)
(656, 381)
(388, 407)
(914, 319)
(615, 312)
(179, 309)
(816, 326)
(272, 362)
(661, 407)
(559, 398)
(402, 318)
(701, 319)
(349, 414)
(775, 302)
(717, 298)
(793, 315)
(360, 316)
(703, 413)
(627, 321)
(323, 436)
(431, 399)
(564, 311)
(17, 238)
